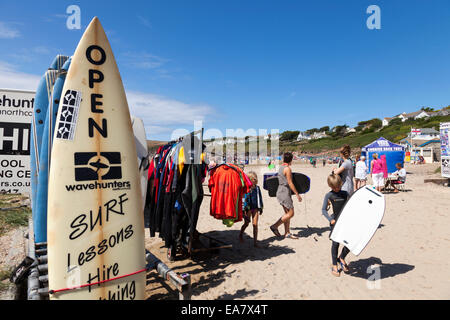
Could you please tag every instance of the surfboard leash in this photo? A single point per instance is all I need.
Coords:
(96, 283)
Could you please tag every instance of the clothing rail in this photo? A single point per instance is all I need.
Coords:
(182, 283)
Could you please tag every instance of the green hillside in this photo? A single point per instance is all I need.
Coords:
(367, 132)
(393, 132)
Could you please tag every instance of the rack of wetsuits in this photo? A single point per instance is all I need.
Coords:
(175, 191)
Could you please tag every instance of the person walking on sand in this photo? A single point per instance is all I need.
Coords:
(360, 173)
(376, 170)
(345, 170)
(286, 185)
(337, 199)
(253, 207)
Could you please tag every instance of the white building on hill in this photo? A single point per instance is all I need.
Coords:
(412, 115)
(303, 136)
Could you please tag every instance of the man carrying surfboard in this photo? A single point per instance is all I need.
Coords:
(286, 185)
(336, 198)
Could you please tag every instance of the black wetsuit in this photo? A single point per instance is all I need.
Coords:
(338, 200)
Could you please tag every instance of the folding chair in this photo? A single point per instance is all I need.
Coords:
(401, 186)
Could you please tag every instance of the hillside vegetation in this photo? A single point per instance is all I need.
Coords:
(394, 132)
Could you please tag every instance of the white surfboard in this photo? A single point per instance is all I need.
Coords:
(140, 138)
(95, 221)
(359, 219)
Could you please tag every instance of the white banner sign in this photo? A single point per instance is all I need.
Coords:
(445, 150)
(16, 113)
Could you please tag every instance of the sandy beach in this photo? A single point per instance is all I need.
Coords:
(410, 251)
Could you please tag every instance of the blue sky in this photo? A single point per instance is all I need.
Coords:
(287, 65)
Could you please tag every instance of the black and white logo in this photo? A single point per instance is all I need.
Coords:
(95, 166)
(445, 166)
(15, 138)
(69, 115)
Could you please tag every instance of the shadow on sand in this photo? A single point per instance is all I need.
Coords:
(305, 232)
(208, 267)
(367, 269)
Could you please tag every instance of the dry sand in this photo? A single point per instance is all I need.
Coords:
(410, 250)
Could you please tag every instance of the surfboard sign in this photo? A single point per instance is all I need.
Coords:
(359, 219)
(16, 113)
(95, 230)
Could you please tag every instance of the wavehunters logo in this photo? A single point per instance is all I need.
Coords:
(98, 167)
(93, 166)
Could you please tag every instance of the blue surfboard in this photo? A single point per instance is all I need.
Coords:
(43, 95)
(41, 102)
(40, 214)
(59, 62)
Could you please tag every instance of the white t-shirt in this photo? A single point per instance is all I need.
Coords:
(401, 174)
(361, 170)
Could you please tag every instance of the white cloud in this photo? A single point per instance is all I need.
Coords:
(8, 32)
(41, 50)
(60, 15)
(30, 55)
(12, 79)
(145, 22)
(143, 60)
(163, 115)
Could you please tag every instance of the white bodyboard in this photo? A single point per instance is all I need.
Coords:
(359, 219)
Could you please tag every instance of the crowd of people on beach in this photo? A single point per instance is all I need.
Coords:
(343, 181)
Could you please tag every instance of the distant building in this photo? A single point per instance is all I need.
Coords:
(385, 121)
(442, 113)
(303, 136)
(424, 142)
(414, 115)
(319, 135)
(425, 134)
(406, 116)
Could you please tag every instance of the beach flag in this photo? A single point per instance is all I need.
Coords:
(415, 131)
